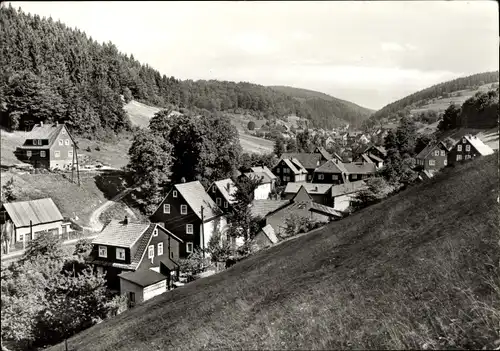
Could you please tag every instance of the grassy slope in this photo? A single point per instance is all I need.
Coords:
(410, 271)
(440, 105)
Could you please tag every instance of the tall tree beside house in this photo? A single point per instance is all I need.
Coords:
(304, 141)
(161, 123)
(451, 118)
(255, 160)
(240, 218)
(279, 146)
(377, 190)
(291, 145)
(400, 146)
(150, 162)
(422, 141)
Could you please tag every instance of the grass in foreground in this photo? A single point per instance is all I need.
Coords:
(419, 270)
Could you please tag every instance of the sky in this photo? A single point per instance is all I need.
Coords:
(370, 53)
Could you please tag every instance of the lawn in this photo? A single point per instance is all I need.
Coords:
(416, 271)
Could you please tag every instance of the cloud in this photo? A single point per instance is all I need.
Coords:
(254, 43)
(392, 47)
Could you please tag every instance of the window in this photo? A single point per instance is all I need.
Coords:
(61, 142)
(459, 157)
(166, 208)
(63, 131)
(432, 163)
(436, 153)
(42, 153)
(467, 157)
(66, 142)
(354, 176)
(445, 162)
(151, 251)
(213, 189)
(155, 232)
(120, 254)
(28, 153)
(335, 177)
(464, 140)
(57, 153)
(459, 147)
(321, 177)
(443, 153)
(160, 249)
(103, 251)
(189, 229)
(184, 209)
(278, 170)
(70, 153)
(225, 204)
(189, 247)
(174, 193)
(467, 147)
(286, 170)
(218, 201)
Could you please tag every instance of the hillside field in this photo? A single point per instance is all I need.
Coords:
(457, 97)
(416, 271)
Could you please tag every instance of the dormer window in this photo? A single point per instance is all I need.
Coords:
(174, 193)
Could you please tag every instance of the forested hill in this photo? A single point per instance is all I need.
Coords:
(51, 72)
(435, 91)
(343, 109)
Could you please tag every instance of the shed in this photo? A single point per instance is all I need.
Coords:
(142, 285)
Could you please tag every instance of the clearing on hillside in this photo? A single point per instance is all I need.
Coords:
(419, 270)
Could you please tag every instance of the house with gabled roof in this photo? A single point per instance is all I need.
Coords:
(264, 238)
(124, 246)
(342, 195)
(302, 205)
(320, 193)
(335, 172)
(265, 186)
(290, 170)
(468, 147)
(222, 192)
(33, 218)
(268, 172)
(190, 213)
(48, 146)
(142, 285)
(309, 160)
(433, 157)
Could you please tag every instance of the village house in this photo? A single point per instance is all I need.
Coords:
(264, 238)
(30, 219)
(433, 157)
(320, 193)
(342, 195)
(49, 146)
(290, 170)
(302, 205)
(309, 160)
(335, 172)
(142, 285)
(376, 150)
(468, 147)
(123, 246)
(190, 214)
(265, 186)
(268, 172)
(222, 192)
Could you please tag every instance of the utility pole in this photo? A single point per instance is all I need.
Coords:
(202, 231)
(73, 165)
(77, 166)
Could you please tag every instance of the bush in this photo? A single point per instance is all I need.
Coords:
(97, 148)
(251, 125)
(88, 149)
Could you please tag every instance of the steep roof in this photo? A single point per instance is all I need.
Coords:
(329, 211)
(332, 167)
(264, 169)
(292, 188)
(260, 208)
(348, 188)
(302, 195)
(306, 159)
(374, 157)
(196, 197)
(379, 148)
(46, 131)
(143, 277)
(481, 147)
(360, 168)
(295, 166)
(123, 235)
(37, 211)
(324, 153)
(227, 189)
(366, 158)
(268, 230)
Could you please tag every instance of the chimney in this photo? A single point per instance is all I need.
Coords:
(57, 123)
(125, 221)
(183, 180)
(41, 124)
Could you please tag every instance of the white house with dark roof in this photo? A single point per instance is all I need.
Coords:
(123, 246)
(33, 218)
(189, 212)
(48, 146)
(265, 186)
(267, 171)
